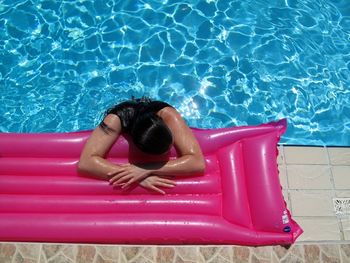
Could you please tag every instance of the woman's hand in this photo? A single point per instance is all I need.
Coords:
(152, 183)
(126, 174)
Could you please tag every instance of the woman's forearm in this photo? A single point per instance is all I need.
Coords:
(184, 165)
(96, 166)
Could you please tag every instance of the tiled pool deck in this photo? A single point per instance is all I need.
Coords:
(311, 177)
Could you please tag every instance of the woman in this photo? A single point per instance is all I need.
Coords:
(154, 127)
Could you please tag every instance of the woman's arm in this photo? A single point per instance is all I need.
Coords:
(190, 157)
(93, 163)
(92, 160)
(190, 160)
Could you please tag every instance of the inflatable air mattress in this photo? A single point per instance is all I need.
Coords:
(238, 200)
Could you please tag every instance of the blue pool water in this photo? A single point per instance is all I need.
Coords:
(219, 62)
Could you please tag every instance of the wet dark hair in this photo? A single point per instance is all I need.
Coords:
(150, 134)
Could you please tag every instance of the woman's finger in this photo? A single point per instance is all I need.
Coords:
(115, 175)
(162, 180)
(116, 179)
(164, 184)
(132, 180)
(157, 189)
(123, 178)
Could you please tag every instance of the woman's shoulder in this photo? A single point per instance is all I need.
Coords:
(169, 114)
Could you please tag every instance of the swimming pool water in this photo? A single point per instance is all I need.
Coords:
(219, 62)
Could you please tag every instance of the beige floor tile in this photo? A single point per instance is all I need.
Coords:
(287, 199)
(261, 254)
(146, 254)
(345, 221)
(312, 253)
(27, 252)
(241, 254)
(318, 228)
(280, 157)
(108, 254)
(7, 251)
(330, 253)
(55, 252)
(341, 175)
(283, 176)
(309, 177)
(345, 252)
(186, 254)
(311, 202)
(214, 254)
(292, 254)
(165, 254)
(305, 155)
(343, 193)
(339, 156)
(86, 254)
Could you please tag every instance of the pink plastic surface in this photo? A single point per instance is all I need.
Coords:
(237, 201)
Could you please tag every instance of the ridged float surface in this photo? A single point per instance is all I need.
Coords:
(238, 200)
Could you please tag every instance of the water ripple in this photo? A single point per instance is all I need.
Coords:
(221, 63)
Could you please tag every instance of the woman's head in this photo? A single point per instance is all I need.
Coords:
(150, 134)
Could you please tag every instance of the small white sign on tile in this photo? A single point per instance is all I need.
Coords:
(341, 206)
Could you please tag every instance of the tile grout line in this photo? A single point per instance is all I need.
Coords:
(14, 255)
(284, 163)
(285, 166)
(313, 189)
(340, 254)
(340, 225)
(331, 172)
(40, 252)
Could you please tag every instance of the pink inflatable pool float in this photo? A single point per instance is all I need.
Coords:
(237, 201)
